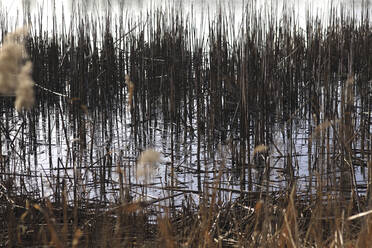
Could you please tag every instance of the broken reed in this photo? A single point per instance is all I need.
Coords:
(233, 89)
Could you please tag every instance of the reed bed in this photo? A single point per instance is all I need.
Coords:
(246, 138)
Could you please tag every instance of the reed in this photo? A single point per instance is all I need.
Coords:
(263, 132)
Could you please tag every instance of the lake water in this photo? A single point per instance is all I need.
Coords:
(179, 149)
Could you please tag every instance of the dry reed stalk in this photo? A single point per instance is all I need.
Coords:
(75, 242)
(364, 237)
(15, 76)
(50, 221)
(165, 232)
(288, 233)
(322, 126)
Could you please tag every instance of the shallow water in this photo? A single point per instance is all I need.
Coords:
(112, 141)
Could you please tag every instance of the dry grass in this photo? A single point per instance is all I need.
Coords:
(245, 88)
(281, 221)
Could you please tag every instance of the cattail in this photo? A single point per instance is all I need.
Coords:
(25, 92)
(130, 85)
(260, 148)
(146, 164)
(15, 76)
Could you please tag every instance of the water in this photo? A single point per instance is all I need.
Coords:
(116, 146)
(112, 140)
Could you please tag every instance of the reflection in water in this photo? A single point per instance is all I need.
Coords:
(206, 106)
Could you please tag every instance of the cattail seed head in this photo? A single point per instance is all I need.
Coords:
(146, 164)
(15, 76)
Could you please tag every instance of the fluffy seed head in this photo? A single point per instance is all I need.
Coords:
(260, 148)
(25, 91)
(15, 76)
(146, 164)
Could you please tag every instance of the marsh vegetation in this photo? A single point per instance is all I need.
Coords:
(147, 132)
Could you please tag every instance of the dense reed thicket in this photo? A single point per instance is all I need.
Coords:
(264, 133)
